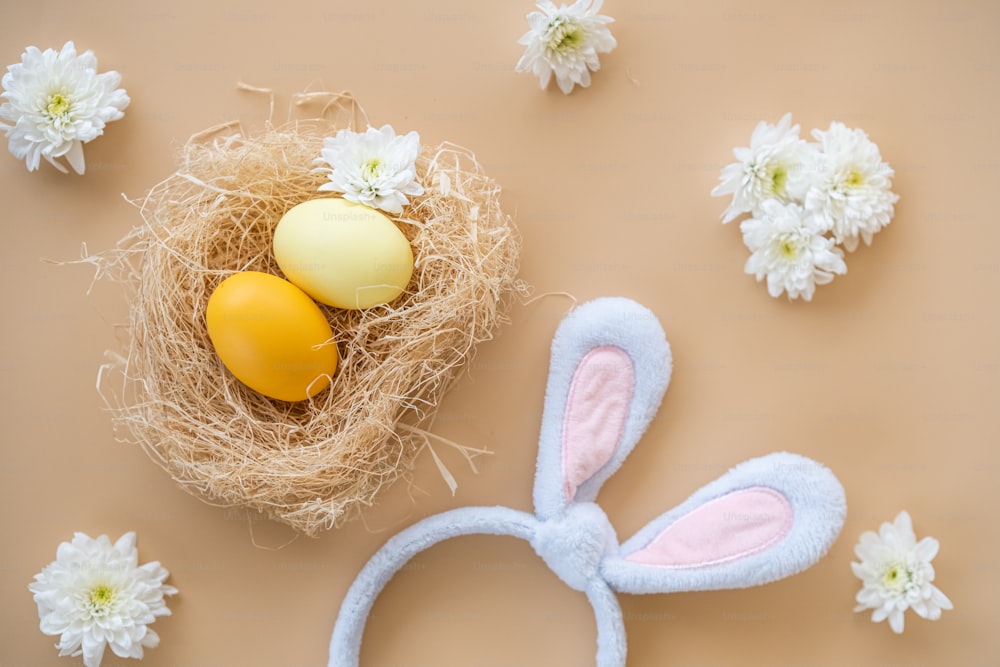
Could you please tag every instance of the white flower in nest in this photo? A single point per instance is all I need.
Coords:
(896, 573)
(852, 188)
(55, 103)
(565, 41)
(789, 250)
(375, 168)
(96, 595)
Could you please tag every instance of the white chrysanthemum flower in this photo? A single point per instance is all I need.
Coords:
(776, 165)
(565, 41)
(57, 102)
(852, 186)
(375, 168)
(896, 572)
(96, 594)
(789, 249)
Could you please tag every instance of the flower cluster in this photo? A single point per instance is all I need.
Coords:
(95, 594)
(896, 572)
(805, 200)
(56, 102)
(375, 168)
(565, 41)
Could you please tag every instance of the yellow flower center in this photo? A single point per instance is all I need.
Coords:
(371, 167)
(58, 105)
(564, 36)
(895, 577)
(854, 179)
(101, 597)
(788, 249)
(779, 177)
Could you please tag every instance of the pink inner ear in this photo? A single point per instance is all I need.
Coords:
(727, 528)
(596, 409)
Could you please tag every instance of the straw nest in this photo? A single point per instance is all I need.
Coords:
(318, 463)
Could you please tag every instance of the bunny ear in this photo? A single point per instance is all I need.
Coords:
(766, 519)
(609, 368)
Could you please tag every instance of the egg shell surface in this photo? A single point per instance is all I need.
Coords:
(343, 254)
(271, 336)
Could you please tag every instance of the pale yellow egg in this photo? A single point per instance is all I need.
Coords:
(343, 254)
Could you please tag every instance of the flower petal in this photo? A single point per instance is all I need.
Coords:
(903, 523)
(940, 599)
(75, 157)
(927, 549)
(880, 614)
(93, 651)
(896, 621)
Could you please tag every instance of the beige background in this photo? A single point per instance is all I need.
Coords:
(890, 376)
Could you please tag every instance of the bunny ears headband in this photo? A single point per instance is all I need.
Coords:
(764, 520)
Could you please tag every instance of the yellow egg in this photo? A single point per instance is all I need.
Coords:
(343, 254)
(271, 336)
